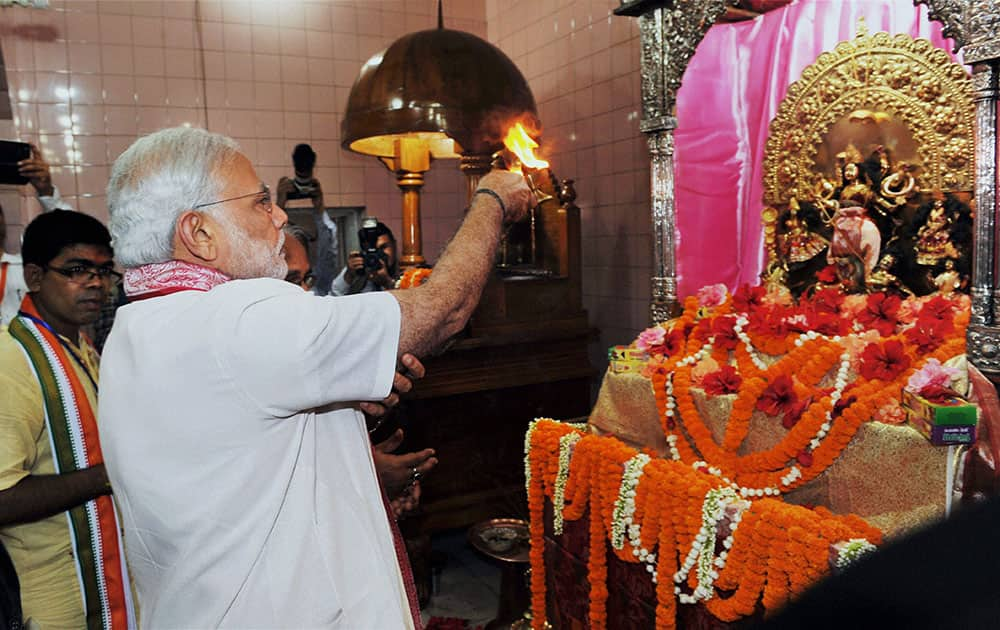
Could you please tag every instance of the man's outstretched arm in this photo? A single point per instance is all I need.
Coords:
(438, 309)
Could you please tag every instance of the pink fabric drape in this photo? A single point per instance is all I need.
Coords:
(731, 91)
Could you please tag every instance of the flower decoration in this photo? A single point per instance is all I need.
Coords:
(779, 397)
(712, 295)
(890, 413)
(725, 380)
(932, 373)
(651, 338)
(826, 300)
(748, 298)
(884, 361)
(724, 332)
(702, 369)
(927, 334)
(881, 313)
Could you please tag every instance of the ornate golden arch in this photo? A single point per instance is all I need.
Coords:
(918, 83)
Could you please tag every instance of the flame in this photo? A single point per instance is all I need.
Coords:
(521, 144)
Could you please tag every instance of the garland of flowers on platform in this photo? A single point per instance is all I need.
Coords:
(770, 550)
(897, 338)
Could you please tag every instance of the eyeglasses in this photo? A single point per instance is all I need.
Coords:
(264, 202)
(82, 274)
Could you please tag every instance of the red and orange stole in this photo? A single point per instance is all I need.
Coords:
(72, 426)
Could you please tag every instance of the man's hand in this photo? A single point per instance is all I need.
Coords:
(402, 382)
(399, 472)
(382, 277)
(513, 189)
(355, 262)
(406, 502)
(36, 169)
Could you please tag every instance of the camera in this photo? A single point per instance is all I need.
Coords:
(304, 188)
(373, 257)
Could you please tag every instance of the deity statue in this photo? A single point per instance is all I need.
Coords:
(882, 278)
(854, 189)
(798, 244)
(949, 280)
(933, 242)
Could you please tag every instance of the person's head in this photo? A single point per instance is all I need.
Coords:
(189, 194)
(304, 159)
(385, 242)
(850, 172)
(297, 257)
(68, 268)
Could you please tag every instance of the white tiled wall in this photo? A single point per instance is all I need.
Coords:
(87, 77)
(582, 63)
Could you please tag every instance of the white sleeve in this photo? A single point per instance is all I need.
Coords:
(54, 201)
(340, 286)
(291, 351)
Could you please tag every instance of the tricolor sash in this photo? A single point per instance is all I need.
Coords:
(71, 422)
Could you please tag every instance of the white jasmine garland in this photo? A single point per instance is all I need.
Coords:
(527, 453)
(566, 443)
(854, 549)
(624, 508)
(741, 322)
(702, 553)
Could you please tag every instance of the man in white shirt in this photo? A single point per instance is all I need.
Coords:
(229, 426)
(12, 286)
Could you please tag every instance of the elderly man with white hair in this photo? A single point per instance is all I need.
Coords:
(230, 419)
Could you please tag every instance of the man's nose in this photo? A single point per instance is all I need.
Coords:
(278, 216)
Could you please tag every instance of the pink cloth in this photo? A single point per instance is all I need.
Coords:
(854, 234)
(731, 91)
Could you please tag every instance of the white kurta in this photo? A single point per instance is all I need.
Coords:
(242, 471)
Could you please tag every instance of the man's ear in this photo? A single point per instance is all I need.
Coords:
(197, 235)
(33, 277)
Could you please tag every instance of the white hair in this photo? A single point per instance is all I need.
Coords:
(155, 180)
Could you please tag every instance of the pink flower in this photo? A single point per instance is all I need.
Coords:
(853, 305)
(932, 373)
(712, 295)
(650, 337)
(779, 296)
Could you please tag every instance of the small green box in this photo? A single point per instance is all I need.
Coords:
(953, 412)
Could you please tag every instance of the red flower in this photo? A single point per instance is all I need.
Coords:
(725, 336)
(938, 394)
(725, 380)
(793, 415)
(927, 334)
(779, 397)
(768, 321)
(829, 324)
(748, 298)
(673, 342)
(828, 274)
(938, 307)
(703, 329)
(881, 313)
(805, 458)
(884, 361)
(826, 300)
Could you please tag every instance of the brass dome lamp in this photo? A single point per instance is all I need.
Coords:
(437, 93)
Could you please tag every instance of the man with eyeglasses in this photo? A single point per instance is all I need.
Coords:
(231, 420)
(57, 519)
(12, 287)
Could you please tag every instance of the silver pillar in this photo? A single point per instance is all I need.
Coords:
(985, 295)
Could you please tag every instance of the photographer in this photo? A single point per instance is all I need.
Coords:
(375, 267)
(303, 185)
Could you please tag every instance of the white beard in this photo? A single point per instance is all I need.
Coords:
(254, 258)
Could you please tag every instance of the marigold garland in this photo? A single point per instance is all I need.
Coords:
(670, 504)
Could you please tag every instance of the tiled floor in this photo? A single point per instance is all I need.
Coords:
(467, 586)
